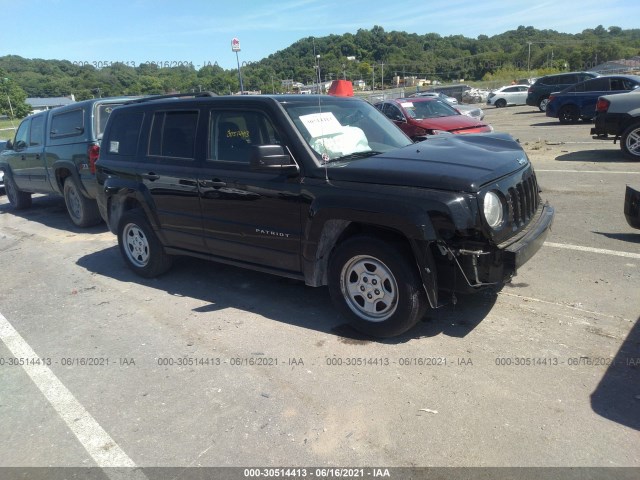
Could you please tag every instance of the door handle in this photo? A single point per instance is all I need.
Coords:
(215, 183)
(150, 176)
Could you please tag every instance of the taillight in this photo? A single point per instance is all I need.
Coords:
(551, 97)
(93, 152)
(530, 90)
(602, 105)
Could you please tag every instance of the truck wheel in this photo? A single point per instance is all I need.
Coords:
(82, 210)
(140, 247)
(17, 198)
(569, 114)
(376, 287)
(542, 104)
(630, 142)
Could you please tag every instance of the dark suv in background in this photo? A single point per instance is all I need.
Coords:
(540, 91)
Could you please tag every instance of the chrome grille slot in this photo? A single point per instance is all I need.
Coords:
(522, 201)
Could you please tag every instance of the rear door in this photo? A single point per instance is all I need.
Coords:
(592, 90)
(169, 171)
(248, 215)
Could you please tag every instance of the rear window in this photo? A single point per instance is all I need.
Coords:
(67, 124)
(123, 136)
(102, 113)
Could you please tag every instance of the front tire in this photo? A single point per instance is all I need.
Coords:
(82, 210)
(630, 142)
(501, 103)
(376, 287)
(569, 114)
(17, 198)
(542, 104)
(140, 246)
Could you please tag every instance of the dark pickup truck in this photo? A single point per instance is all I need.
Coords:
(322, 189)
(55, 152)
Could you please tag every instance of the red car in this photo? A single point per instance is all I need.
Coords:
(418, 117)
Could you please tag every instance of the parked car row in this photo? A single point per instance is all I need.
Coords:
(579, 101)
(55, 151)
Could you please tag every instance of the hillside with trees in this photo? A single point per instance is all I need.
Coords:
(369, 55)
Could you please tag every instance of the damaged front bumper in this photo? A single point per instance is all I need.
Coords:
(473, 266)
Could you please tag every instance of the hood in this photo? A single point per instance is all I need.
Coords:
(450, 124)
(445, 162)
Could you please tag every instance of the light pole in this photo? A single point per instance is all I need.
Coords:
(235, 47)
(318, 73)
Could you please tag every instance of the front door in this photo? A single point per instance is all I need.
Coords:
(248, 215)
(27, 164)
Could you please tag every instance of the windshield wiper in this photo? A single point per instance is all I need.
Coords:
(355, 155)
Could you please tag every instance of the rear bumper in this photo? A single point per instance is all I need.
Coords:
(632, 207)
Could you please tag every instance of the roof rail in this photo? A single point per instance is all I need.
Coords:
(171, 95)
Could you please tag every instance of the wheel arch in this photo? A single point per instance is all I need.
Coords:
(335, 231)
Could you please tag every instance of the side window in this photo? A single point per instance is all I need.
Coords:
(22, 135)
(232, 133)
(393, 112)
(68, 124)
(511, 89)
(124, 133)
(36, 137)
(551, 81)
(621, 84)
(523, 89)
(173, 134)
(597, 85)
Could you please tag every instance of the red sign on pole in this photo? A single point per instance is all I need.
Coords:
(235, 45)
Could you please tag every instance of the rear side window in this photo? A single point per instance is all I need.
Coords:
(597, 85)
(122, 139)
(173, 134)
(36, 137)
(67, 124)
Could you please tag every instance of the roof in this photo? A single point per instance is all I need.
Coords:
(50, 102)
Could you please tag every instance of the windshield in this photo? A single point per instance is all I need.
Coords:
(428, 109)
(339, 128)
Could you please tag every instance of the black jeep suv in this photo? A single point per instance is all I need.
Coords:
(322, 189)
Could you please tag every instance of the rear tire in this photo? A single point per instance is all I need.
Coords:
(630, 142)
(17, 198)
(140, 247)
(82, 210)
(569, 114)
(376, 287)
(542, 104)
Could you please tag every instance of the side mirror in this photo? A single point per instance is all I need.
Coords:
(270, 157)
(9, 145)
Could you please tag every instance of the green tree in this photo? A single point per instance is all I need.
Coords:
(12, 98)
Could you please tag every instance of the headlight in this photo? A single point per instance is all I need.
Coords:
(493, 211)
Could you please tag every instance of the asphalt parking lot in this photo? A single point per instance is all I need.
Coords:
(214, 366)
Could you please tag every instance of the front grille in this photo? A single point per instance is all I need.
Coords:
(523, 200)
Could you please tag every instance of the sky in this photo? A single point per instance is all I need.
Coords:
(200, 32)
